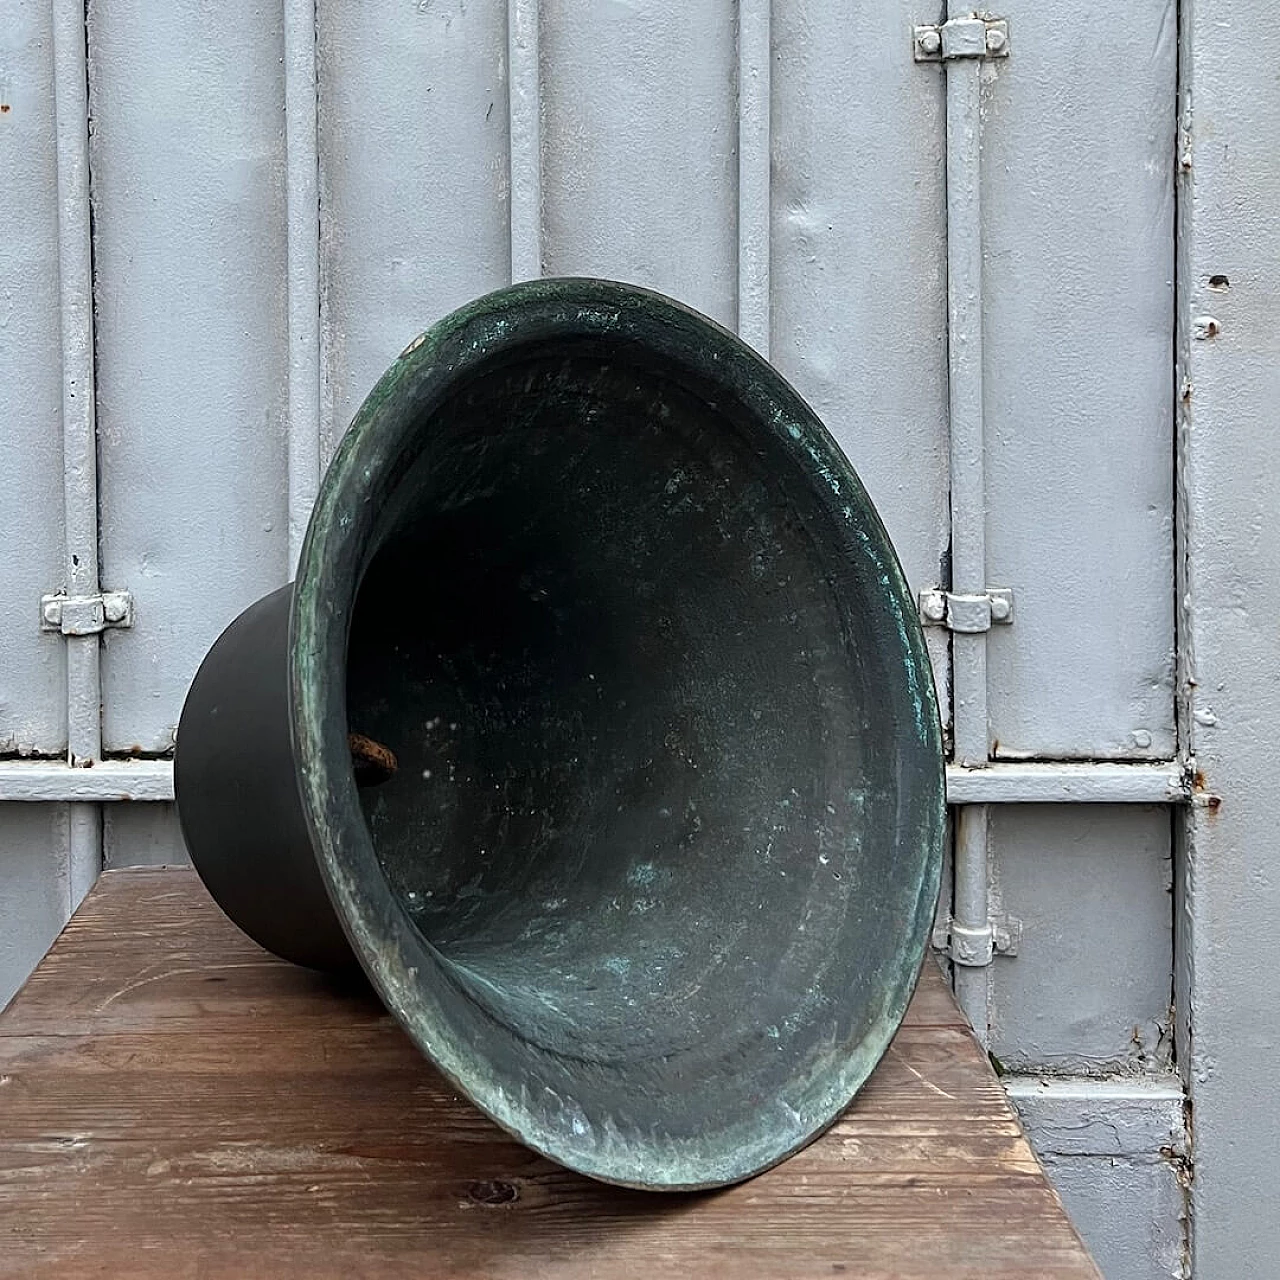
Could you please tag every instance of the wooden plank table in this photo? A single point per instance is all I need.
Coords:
(174, 1102)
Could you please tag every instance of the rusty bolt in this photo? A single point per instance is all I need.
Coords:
(371, 762)
(929, 41)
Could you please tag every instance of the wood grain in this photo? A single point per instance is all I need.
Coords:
(174, 1102)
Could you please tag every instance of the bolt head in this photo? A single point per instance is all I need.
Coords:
(995, 39)
(113, 608)
(935, 607)
(999, 608)
(929, 41)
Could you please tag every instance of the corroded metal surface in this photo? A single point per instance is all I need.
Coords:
(652, 879)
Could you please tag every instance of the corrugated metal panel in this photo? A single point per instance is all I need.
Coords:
(1078, 198)
(797, 185)
(33, 667)
(414, 177)
(188, 182)
(1090, 988)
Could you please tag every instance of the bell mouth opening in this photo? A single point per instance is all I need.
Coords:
(660, 837)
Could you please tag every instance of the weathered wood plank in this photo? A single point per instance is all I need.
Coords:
(173, 1102)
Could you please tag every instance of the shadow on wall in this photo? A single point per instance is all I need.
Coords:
(142, 835)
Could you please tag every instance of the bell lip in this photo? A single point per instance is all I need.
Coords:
(329, 571)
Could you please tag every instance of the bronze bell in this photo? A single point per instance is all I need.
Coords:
(598, 726)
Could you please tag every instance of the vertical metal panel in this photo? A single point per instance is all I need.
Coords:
(639, 147)
(414, 175)
(1229, 316)
(302, 256)
(1090, 988)
(32, 669)
(1078, 202)
(858, 263)
(142, 835)
(1116, 1153)
(36, 896)
(188, 175)
(1129, 1211)
(755, 172)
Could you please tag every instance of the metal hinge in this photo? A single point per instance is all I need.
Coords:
(976, 948)
(86, 615)
(968, 613)
(970, 37)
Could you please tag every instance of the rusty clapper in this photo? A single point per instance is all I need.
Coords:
(598, 728)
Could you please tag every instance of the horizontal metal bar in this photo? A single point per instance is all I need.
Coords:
(1117, 1088)
(1119, 1116)
(1085, 783)
(54, 780)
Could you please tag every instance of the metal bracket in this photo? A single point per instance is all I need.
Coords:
(976, 948)
(967, 613)
(86, 615)
(971, 37)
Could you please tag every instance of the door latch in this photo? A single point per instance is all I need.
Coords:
(967, 613)
(85, 615)
(968, 37)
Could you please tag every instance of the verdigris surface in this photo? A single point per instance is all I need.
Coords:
(652, 875)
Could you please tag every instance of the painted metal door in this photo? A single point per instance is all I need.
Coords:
(965, 263)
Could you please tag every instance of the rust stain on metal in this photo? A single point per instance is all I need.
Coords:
(1200, 793)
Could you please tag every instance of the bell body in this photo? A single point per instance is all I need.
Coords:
(239, 806)
(650, 875)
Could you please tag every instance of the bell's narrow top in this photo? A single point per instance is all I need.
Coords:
(650, 861)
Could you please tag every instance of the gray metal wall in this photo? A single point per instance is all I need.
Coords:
(282, 196)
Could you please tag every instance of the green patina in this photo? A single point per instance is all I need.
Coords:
(594, 1042)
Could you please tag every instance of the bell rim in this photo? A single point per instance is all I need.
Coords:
(326, 583)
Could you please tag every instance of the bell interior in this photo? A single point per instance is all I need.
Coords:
(647, 744)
